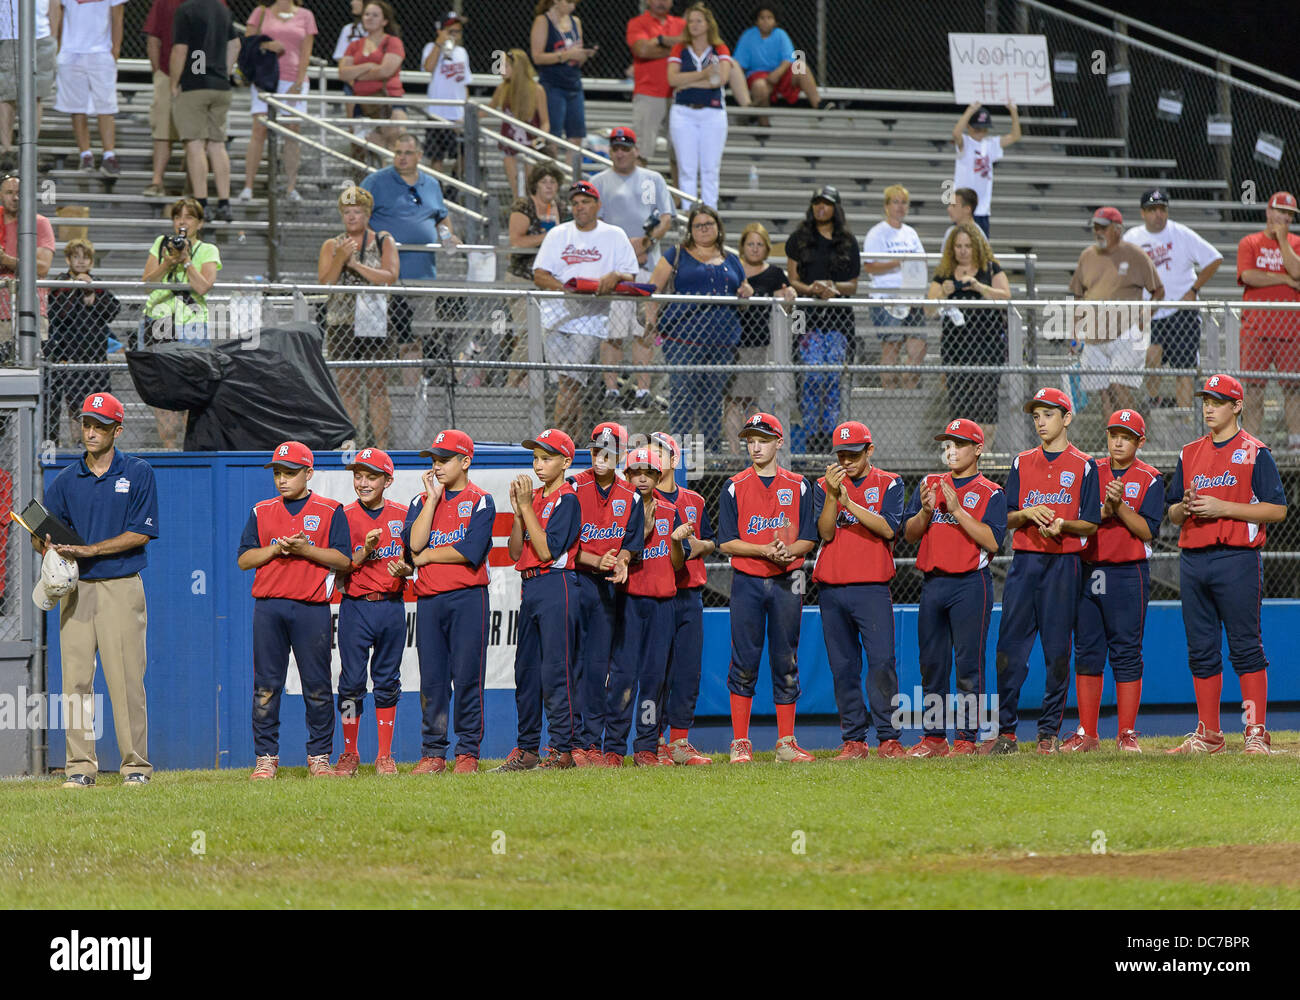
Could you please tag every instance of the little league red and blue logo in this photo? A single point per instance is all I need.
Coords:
(618, 507)
(661, 525)
(692, 514)
(872, 495)
(546, 511)
(1067, 478)
(1239, 457)
(311, 522)
(970, 501)
(465, 509)
(1131, 490)
(785, 497)
(395, 529)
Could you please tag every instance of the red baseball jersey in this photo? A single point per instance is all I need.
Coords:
(1113, 542)
(604, 518)
(652, 574)
(544, 507)
(451, 521)
(690, 510)
(1225, 473)
(764, 513)
(1058, 484)
(856, 554)
(294, 577)
(945, 547)
(372, 577)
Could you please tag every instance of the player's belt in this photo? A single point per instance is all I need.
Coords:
(387, 595)
(528, 574)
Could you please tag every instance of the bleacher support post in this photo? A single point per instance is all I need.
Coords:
(783, 354)
(272, 213)
(536, 377)
(1016, 389)
(470, 146)
(1225, 108)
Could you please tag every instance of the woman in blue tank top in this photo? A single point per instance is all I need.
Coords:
(558, 54)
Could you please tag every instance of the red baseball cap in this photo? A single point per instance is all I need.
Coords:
(293, 455)
(622, 135)
(584, 187)
(609, 436)
(666, 440)
(449, 444)
(1222, 387)
(374, 459)
(962, 429)
(1284, 200)
(644, 458)
(1106, 215)
(105, 408)
(851, 436)
(1048, 397)
(1127, 420)
(552, 440)
(763, 423)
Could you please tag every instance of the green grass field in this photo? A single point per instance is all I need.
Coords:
(1219, 832)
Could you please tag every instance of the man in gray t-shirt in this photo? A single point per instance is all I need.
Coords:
(631, 198)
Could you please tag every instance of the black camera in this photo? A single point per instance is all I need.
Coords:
(651, 224)
(175, 242)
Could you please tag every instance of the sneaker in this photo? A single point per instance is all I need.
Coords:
(613, 759)
(1081, 743)
(519, 760)
(681, 752)
(154, 191)
(135, 779)
(1257, 741)
(790, 752)
(962, 748)
(292, 196)
(558, 761)
(430, 765)
(891, 748)
(1049, 744)
(930, 746)
(466, 763)
(645, 758)
(386, 767)
(664, 754)
(347, 765)
(267, 765)
(222, 213)
(318, 766)
(87, 164)
(1127, 740)
(245, 195)
(109, 166)
(78, 781)
(999, 745)
(742, 752)
(1201, 741)
(852, 750)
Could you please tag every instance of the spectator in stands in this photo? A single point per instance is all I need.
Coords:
(9, 187)
(201, 95)
(557, 49)
(46, 55)
(699, 335)
(747, 389)
(773, 68)
(822, 256)
(1268, 267)
(1185, 262)
(584, 248)
(78, 334)
(651, 36)
(887, 277)
(373, 67)
(291, 30)
(967, 270)
(977, 151)
(961, 208)
(349, 33)
(191, 265)
(447, 60)
(520, 96)
(699, 67)
(531, 218)
(90, 38)
(356, 326)
(158, 44)
(1116, 338)
(635, 199)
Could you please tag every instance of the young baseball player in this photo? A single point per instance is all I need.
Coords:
(372, 615)
(858, 510)
(611, 533)
(766, 525)
(544, 545)
(1053, 505)
(640, 664)
(296, 543)
(449, 531)
(1225, 489)
(1117, 583)
(960, 519)
(685, 658)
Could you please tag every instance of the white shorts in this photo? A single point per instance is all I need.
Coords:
(87, 84)
(1127, 352)
(257, 106)
(623, 322)
(573, 349)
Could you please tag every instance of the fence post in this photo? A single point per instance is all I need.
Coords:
(272, 215)
(821, 44)
(1031, 292)
(1016, 390)
(1231, 339)
(991, 16)
(1213, 328)
(536, 354)
(469, 144)
(1225, 108)
(1121, 98)
(782, 381)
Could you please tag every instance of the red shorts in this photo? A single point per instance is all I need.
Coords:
(785, 90)
(1258, 353)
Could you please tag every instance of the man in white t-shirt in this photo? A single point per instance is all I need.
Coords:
(597, 253)
(445, 57)
(89, 33)
(977, 151)
(46, 50)
(889, 278)
(1185, 262)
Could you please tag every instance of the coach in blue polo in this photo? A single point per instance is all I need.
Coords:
(110, 500)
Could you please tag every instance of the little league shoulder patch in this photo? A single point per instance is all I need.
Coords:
(395, 529)
(785, 497)
(1131, 490)
(311, 522)
(1067, 478)
(465, 509)
(970, 501)
(661, 525)
(618, 507)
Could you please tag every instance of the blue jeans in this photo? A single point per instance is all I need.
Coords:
(819, 399)
(568, 112)
(695, 398)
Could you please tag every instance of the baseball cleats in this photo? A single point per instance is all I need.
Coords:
(135, 779)
(1201, 741)
(1258, 742)
(347, 765)
(645, 758)
(742, 752)
(318, 766)
(962, 748)
(891, 748)
(1081, 743)
(790, 752)
(558, 761)
(930, 746)
(386, 767)
(465, 764)
(613, 759)
(267, 765)
(664, 754)
(582, 759)
(430, 765)
(79, 781)
(683, 753)
(1048, 745)
(852, 750)
(519, 760)
(1000, 745)
(1128, 740)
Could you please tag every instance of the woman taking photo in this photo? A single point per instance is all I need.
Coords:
(748, 391)
(559, 55)
(372, 66)
(356, 325)
(520, 96)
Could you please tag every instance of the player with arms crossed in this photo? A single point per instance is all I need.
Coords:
(1225, 489)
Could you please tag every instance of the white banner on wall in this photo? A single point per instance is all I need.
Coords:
(1000, 69)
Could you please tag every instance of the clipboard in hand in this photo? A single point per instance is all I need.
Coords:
(40, 522)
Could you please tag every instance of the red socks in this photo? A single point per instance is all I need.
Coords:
(784, 721)
(350, 727)
(1128, 694)
(385, 719)
(677, 734)
(1088, 689)
(1254, 697)
(740, 707)
(1209, 692)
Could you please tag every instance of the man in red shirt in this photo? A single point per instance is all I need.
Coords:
(651, 37)
(158, 44)
(9, 263)
(1268, 267)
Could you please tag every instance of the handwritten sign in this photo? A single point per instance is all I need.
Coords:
(1000, 69)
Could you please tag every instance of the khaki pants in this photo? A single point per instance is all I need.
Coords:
(108, 617)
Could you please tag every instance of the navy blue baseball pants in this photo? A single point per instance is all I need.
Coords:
(544, 667)
(1041, 597)
(1112, 619)
(366, 626)
(281, 624)
(954, 618)
(771, 604)
(685, 659)
(858, 618)
(451, 638)
(636, 675)
(1222, 589)
(600, 606)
